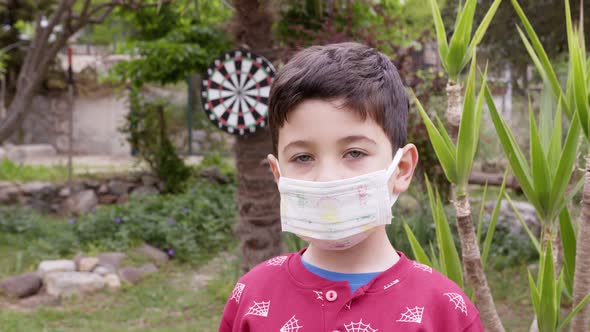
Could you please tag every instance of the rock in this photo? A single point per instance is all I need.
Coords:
(68, 283)
(134, 275)
(65, 192)
(92, 184)
(2, 153)
(107, 199)
(507, 216)
(55, 266)
(144, 191)
(111, 259)
(10, 193)
(159, 257)
(104, 270)
(103, 189)
(20, 153)
(30, 188)
(149, 180)
(113, 282)
(123, 199)
(82, 202)
(408, 203)
(21, 286)
(87, 264)
(213, 173)
(199, 136)
(119, 188)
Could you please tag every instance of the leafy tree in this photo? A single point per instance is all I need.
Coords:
(53, 25)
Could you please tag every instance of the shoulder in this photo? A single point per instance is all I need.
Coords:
(262, 281)
(445, 300)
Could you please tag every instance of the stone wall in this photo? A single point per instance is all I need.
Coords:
(79, 197)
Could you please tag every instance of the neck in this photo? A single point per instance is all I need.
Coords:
(374, 254)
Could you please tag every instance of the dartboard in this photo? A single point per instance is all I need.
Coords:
(236, 90)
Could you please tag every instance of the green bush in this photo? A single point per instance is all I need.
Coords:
(189, 226)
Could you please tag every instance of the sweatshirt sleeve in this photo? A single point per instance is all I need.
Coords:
(475, 326)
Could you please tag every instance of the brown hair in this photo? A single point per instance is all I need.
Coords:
(364, 78)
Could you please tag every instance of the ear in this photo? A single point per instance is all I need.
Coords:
(273, 162)
(402, 176)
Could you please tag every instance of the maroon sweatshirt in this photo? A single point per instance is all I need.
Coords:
(282, 295)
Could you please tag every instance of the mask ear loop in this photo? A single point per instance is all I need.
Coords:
(396, 159)
(278, 167)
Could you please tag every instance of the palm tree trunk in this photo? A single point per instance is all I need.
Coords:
(473, 267)
(259, 227)
(582, 273)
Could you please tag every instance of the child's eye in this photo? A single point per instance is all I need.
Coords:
(354, 154)
(304, 158)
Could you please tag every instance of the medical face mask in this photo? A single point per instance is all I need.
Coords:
(336, 215)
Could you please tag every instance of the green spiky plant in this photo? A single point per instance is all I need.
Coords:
(575, 99)
(456, 160)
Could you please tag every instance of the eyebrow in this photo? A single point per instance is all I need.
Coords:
(342, 141)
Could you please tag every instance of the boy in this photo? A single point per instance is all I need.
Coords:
(337, 115)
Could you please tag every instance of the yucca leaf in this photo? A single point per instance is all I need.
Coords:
(534, 293)
(546, 108)
(541, 54)
(481, 214)
(554, 153)
(450, 256)
(434, 259)
(574, 312)
(441, 35)
(566, 164)
(523, 224)
(443, 132)
(417, 249)
(539, 169)
(481, 30)
(512, 150)
(568, 242)
(466, 138)
(491, 229)
(460, 39)
(445, 155)
(579, 86)
(570, 196)
(547, 317)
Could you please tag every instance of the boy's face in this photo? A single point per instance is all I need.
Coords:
(321, 142)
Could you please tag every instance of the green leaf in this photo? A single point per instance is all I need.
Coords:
(568, 242)
(547, 316)
(554, 151)
(534, 294)
(441, 129)
(481, 214)
(574, 312)
(541, 54)
(512, 150)
(539, 169)
(467, 136)
(460, 40)
(449, 255)
(445, 155)
(417, 249)
(523, 224)
(481, 30)
(441, 35)
(491, 229)
(565, 166)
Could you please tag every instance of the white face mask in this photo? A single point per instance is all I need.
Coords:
(336, 215)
